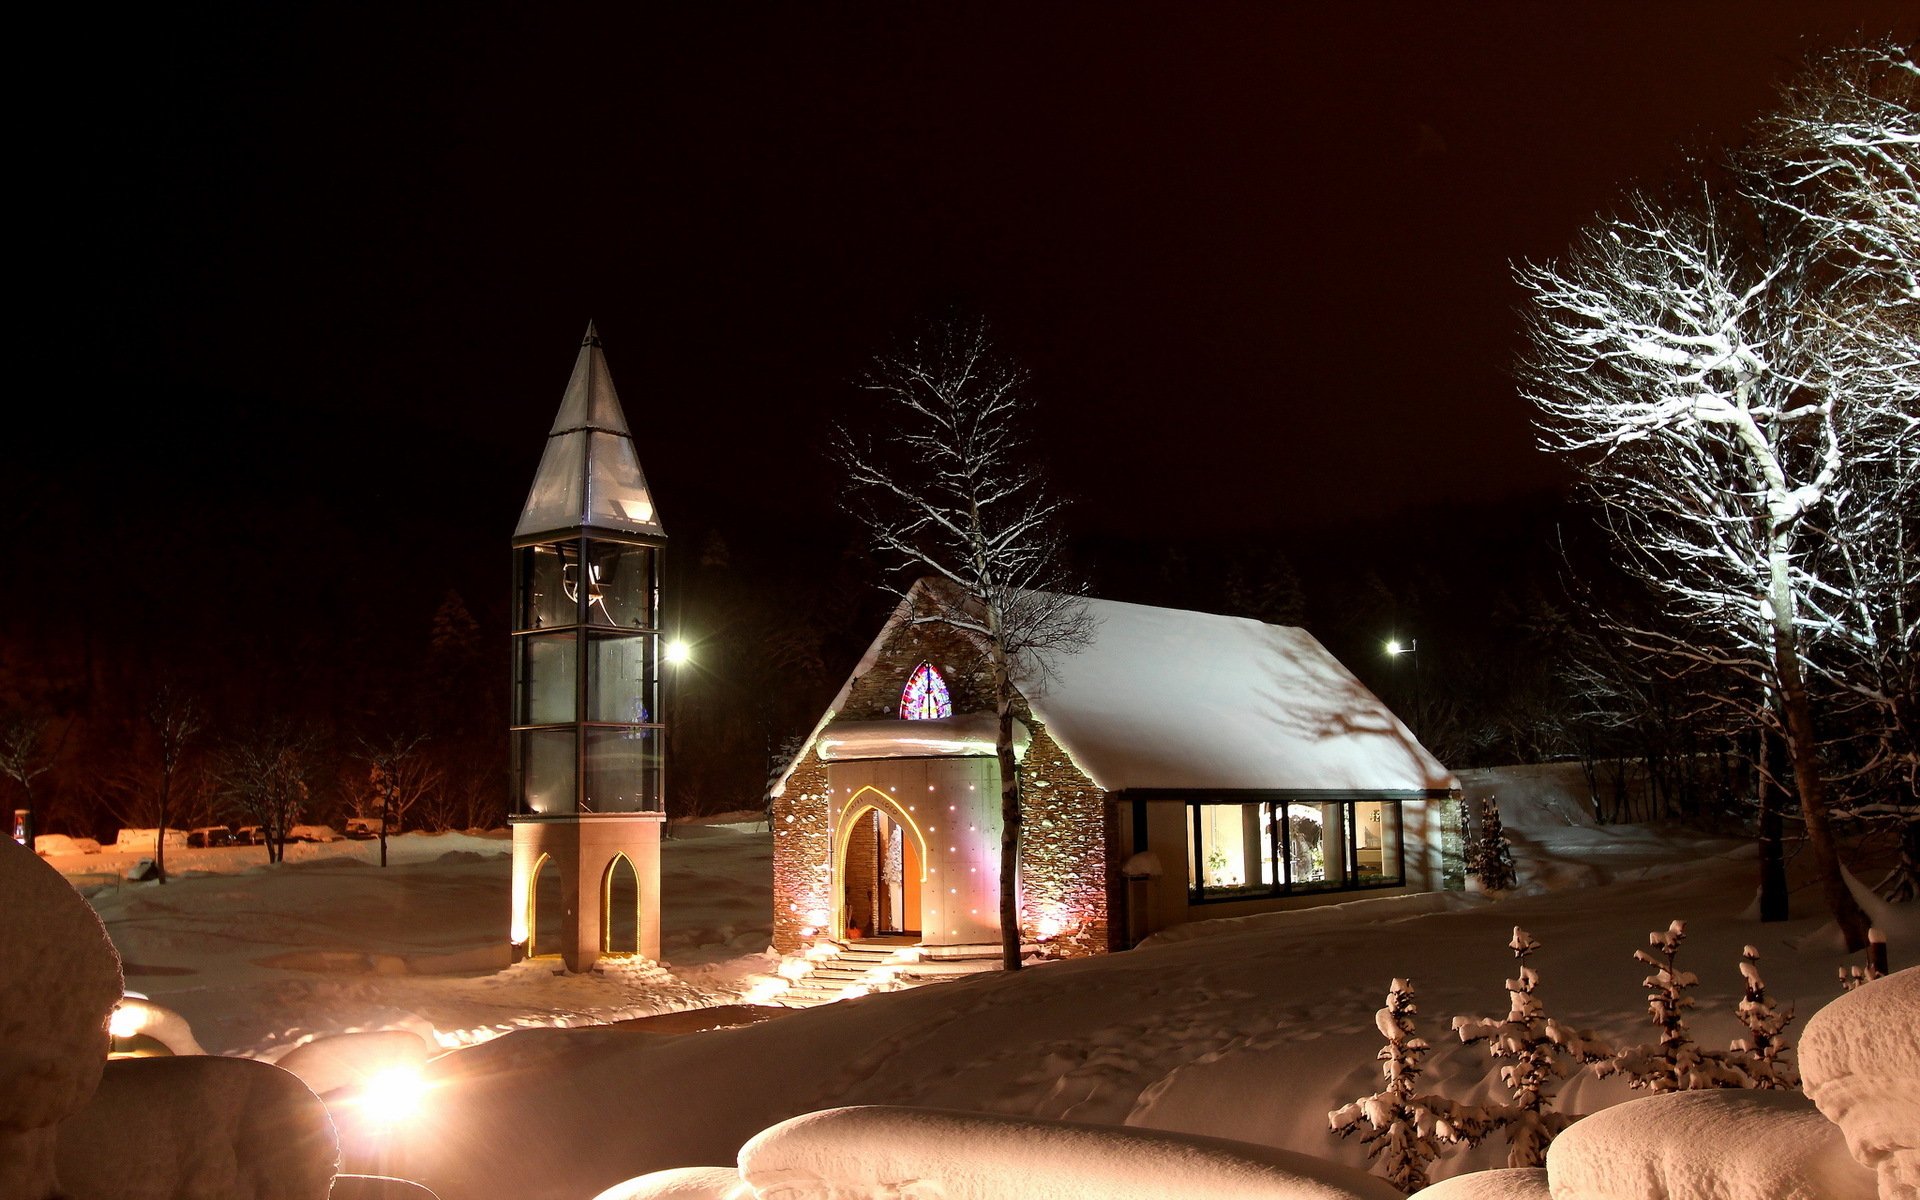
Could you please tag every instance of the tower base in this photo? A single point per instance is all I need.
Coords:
(585, 850)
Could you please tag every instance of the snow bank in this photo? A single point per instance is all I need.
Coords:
(883, 1153)
(59, 978)
(60, 843)
(350, 1059)
(139, 1015)
(377, 1187)
(683, 1183)
(196, 1127)
(1860, 1058)
(1517, 1183)
(1707, 1145)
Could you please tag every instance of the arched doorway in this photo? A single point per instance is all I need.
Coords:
(620, 907)
(546, 911)
(878, 869)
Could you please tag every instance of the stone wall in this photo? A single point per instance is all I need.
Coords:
(1064, 845)
(802, 882)
(1064, 863)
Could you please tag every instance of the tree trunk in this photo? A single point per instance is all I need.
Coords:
(160, 840)
(1773, 866)
(1009, 836)
(1803, 749)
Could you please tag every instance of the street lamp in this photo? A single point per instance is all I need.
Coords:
(678, 652)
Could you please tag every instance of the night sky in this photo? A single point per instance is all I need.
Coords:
(1256, 257)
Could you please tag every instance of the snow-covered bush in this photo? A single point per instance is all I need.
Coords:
(1860, 1057)
(1707, 1145)
(1489, 856)
(1537, 1050)
(1762, 1053)
(1674, 1063)
(59, 978)
(1405, 1128)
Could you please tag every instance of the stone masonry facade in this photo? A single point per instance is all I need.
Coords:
(1069, 881)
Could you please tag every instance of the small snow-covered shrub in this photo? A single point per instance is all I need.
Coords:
(1537, 1050)
(1762, 1053)
(1405, 1128)
(1674, 1063)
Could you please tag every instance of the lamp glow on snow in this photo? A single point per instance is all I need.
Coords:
(392, 1097)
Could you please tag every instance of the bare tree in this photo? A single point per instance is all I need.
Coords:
(23, 759)
(176, 721)
(1735, 375)
(950, 490)
(399, 777)
(266, 775)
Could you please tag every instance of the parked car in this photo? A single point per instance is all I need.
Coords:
(365, 827)
(249, 835)
(209, 835)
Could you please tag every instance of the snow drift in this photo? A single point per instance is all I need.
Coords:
(884, 1153)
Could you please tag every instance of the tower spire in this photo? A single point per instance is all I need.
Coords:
(590, 476)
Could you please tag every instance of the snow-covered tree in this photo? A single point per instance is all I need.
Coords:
(399, 776)
(1675, 1062)
(1735, 378)
(1405, 1128)
(1489, 856)
(23, 759)
(1539, 1052)
(265, 776)
(1762, 1053)
(949, 490)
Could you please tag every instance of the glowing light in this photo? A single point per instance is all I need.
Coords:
(678, 652)
(1394, 647)
(817, 917)
(393, 1096)
(125, 1021)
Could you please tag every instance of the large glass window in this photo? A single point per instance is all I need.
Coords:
(1269, 848)
(621, 681)
(623, 770)
(620, 587)
(546, 694)
(545, 758)
(545, 600)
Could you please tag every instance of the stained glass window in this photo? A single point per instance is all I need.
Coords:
(925, 697)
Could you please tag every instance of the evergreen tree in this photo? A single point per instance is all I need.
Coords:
(1762, 1052)
(1405, 1128)
(1489, 855)
(1537, 1049)
(1674, 1063)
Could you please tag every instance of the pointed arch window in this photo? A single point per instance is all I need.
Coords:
(925, 696)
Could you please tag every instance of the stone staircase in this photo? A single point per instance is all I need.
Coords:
(848, 970)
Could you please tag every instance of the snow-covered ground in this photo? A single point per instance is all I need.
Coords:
(259, 958)
(1250, 1029)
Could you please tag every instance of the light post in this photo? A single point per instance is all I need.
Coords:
(1410, 648)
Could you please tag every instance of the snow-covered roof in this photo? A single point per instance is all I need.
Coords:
(967, 733)
(590, 474)
(1165, 698)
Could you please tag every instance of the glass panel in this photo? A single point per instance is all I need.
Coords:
(620, 585)
(622, 678)
(1377, 841)
(1307, 842)
(545, 689)
(546, 600)
(546, 770)
(623, 771)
